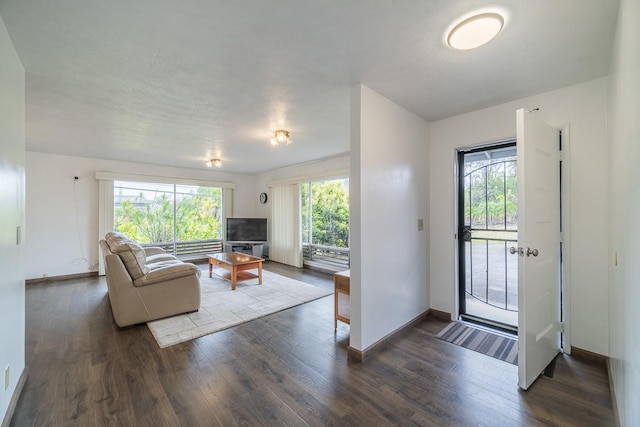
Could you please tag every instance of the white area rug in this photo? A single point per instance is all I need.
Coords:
(222, 308)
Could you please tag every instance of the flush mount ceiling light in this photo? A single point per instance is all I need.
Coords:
(475, 31)
(214, 162)
(280, 137)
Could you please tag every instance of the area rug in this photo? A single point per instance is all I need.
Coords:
(494, 345)
(222, 308)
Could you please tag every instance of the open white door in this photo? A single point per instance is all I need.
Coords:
(539, 246)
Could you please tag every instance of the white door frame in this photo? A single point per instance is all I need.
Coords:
(565, 265)
(565, 192)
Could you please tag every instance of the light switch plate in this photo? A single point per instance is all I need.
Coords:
(420, 225)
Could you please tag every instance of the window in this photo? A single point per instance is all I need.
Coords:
(185, 219)
(325, 221)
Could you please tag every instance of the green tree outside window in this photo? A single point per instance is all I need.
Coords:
(145, 212)
(325, 213)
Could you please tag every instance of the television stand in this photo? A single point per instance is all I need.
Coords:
(250, 248)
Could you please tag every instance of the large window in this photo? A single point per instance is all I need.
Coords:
(325, 221)
(168, 215)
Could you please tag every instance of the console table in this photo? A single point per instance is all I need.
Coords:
(341, 297)
(249, 248)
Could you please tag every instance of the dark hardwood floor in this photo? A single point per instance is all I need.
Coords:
(288, 368)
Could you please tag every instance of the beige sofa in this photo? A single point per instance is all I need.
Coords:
(146, 283)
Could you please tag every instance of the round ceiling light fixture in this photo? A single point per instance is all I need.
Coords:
(214, 162)
(280, 137)
(475, 31)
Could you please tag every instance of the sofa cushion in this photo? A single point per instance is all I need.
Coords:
(166, 270)
(168, 263)
(159, 258)
(115, 239)
(134, 259)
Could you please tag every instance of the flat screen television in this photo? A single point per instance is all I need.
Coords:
(246, 229)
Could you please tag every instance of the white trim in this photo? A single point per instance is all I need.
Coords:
(105, 215)
(324, 175)
(227, 210)
(566, 239)
(486, 145)
(455, 312)
(119, 176)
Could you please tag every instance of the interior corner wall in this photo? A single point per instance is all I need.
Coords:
(624, 202)
(583, 108)
(12, 152)
(389, 194)
(62, 213)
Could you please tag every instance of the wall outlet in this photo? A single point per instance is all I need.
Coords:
(420, 225)
(7, 377)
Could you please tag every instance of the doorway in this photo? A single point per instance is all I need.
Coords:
(488, 229)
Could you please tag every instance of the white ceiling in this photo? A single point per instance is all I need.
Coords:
(175, 83)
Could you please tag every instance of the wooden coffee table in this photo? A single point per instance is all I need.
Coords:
(233, 267)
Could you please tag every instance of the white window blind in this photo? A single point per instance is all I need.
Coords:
(285, 242)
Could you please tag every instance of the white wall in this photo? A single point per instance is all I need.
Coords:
(12, 142)
(583, 108)
(624, 201)
(62, 213)
(389, 193)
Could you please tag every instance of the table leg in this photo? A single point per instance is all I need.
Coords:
(260, 273)
(234, 277)
(210, 268)
(335, 310)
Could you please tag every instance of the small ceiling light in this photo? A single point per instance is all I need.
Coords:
(214, 162)
(475, 31)
(280, 137)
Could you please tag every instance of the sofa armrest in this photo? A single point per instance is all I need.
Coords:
(104, 248)
(117, 275)
(153, 250)
(167, 271)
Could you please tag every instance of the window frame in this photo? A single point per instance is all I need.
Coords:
(106, 194)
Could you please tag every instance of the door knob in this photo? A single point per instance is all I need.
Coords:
(466, 233)
(513, 250)
(533, 252)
